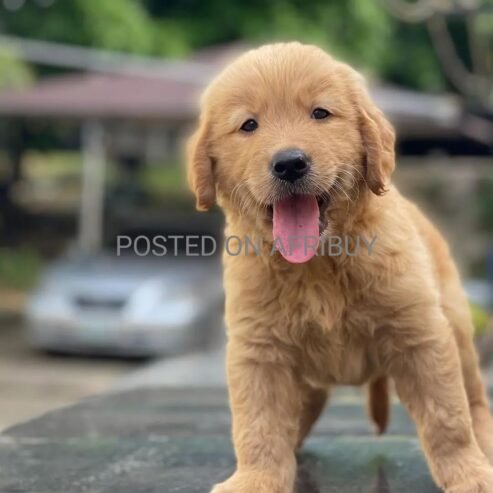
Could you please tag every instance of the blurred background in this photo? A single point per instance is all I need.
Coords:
(96, 99)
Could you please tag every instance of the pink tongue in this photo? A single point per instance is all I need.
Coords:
(296, 231)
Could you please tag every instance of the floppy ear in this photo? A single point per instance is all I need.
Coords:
(199, 168)
(379, 140)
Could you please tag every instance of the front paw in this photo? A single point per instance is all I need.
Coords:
(256, 482)
(481, 483)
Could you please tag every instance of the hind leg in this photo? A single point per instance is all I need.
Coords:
(313, 404)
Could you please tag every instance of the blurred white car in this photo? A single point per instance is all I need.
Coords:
(126, 305)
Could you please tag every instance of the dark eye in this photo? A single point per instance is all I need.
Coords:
(249, 126)
(320, 114)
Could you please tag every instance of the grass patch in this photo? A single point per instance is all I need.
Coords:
(164, 180)
(52, 165)
(19, 268)
(159, 178)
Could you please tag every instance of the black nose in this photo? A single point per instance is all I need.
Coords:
(290, 165)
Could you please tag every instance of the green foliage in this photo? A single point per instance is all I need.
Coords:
(19, 267)
(360, 31)
(110, 24)
(480, 319)
(13, 72)
(163, 179)
(52, 166)
(356, 30)
(411, 61)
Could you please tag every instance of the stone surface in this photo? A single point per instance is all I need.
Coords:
(177, 441)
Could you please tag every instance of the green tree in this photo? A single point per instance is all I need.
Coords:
(13, 72)
(111, 24)
(361, 31)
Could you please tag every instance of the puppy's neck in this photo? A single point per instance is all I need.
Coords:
(354, 214)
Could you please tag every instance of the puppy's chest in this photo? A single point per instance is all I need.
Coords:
(334, 338)
(345, 355)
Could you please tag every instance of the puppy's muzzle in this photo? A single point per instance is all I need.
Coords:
(290, 165)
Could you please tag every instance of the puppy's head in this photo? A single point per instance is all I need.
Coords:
(287, 132)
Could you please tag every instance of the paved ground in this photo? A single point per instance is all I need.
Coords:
(32, 383)
(163, 440)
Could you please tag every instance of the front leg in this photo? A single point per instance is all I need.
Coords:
(429, 382)
(266, 406)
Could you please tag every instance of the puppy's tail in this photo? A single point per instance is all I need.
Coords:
(379, 403)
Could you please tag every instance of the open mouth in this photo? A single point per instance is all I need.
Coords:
(323, 205)
(297, 222)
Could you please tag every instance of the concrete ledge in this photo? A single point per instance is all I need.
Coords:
(177, 441)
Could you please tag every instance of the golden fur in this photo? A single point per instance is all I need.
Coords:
(296, 330)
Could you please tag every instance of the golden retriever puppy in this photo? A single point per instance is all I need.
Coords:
(291, 145)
